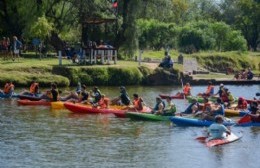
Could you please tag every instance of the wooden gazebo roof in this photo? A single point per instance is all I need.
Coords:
(98, 20)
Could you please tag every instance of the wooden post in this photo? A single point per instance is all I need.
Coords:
(140, 57)
(102, 56)
(60, 58)
(95, 56)
(91, 56)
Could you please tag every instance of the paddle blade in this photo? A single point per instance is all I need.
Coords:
(244, 119)
(201, 139)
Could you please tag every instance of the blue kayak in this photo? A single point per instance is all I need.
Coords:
(7, 96)
(182, 121)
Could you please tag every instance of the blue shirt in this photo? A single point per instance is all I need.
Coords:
(216, 131)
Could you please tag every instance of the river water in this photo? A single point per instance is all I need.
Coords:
(38, 137)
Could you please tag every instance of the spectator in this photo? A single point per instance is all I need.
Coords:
(250, 74)
(166, 62)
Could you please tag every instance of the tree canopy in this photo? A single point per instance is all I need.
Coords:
(186, 25)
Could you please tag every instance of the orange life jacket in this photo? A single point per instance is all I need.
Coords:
(33, 87)
(210, 90)
(138, 104)
(186, 90)
(103, 102)
(8, 88)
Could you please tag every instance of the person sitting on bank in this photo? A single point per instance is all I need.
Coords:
(159, 107)
(8, 89)
(216, 109)
(123, 99)
(217, 129)
(166, 62)
(250, 74)
(209, 92)
(170, 108)
(34, 89)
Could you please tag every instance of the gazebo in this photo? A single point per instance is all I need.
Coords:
(90, 51)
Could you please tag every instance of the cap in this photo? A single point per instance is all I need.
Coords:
(221, 84)
(122, 87)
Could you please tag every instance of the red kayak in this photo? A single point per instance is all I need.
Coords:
(33, 103)
(177, 96)
(121, 114)
(215, 142)
(249, 101)
(81, 108)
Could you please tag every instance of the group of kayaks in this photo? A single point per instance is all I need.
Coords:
(144, 115)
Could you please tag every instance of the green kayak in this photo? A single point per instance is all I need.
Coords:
(146, 116)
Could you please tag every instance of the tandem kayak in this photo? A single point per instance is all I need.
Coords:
(182, 121)
(177, 96)
(122, 114)
(249, 124)
(146, 116)
(81, 108)
(216, 142)
(33, 103)
(29, 97)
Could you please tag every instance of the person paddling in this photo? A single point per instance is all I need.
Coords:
(8, 89)
(123, 99)
(217, 129)
(34, 89)
(159, 106)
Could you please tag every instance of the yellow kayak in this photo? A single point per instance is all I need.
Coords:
(232, 112)
(57, 105)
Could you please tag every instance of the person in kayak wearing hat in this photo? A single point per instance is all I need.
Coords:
(220, 91)
(123, 99)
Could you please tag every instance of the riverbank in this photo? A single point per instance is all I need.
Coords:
(47, 70)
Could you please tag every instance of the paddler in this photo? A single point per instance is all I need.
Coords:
(217, 129)
(8, 89)
(34, 89)
(159, 107)
(170, 108)
(123, 99)
(209, 90)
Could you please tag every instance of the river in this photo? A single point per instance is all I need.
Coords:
(38, 137)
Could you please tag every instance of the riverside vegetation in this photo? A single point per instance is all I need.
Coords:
(47, 70)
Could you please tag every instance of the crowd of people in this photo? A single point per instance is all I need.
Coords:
(244, 74)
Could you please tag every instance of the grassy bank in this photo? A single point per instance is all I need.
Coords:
(47, 70)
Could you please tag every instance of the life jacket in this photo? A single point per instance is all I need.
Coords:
(242, 105)
(33, 88)
(8, 88)
(157, 105)
(125, 98)
(230, 98)
(138, 104)
(103, 102)
(186, 90)
(83, 95)
(210, 90)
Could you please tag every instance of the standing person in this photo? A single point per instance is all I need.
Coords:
(123, 99)
(5, 45)
(159, 106)
(217, 129)
(170, 108)
(16, 48)
(8, 89)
